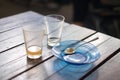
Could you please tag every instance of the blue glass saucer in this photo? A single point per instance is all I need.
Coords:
(85, 53)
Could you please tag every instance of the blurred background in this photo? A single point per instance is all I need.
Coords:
(104, 18)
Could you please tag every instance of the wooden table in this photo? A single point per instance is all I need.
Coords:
(15, 65)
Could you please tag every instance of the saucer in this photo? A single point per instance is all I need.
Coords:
(85, 53)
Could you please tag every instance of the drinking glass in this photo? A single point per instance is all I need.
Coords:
(54, 25)
(33, 36)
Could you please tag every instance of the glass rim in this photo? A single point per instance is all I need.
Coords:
(56, 15)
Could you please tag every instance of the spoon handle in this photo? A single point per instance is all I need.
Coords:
(93, 39)
(87, 42)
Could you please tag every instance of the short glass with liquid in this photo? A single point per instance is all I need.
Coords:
(33, 36)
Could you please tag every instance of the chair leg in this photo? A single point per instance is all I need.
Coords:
(115, 22)
(28, 3)
(97, 21)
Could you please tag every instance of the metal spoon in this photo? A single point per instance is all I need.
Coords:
(71, 50)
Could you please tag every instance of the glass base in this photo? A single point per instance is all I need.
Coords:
(52, 44)
(33, 56)
(53, 41)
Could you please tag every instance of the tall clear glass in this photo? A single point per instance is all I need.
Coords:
(54, 25)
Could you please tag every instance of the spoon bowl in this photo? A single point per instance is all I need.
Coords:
(70, 50)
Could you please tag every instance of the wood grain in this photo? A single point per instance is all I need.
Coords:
(16, 61)
(10, 30)
(12, 37)
(64, 70)
(12, 22)
(109, 71)
(76, 72)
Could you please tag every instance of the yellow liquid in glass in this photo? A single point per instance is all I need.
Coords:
(34, 52)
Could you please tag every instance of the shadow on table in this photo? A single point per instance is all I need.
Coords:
(33, 61)
(69, 71)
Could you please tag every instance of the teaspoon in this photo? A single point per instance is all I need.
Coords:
(71, 50)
